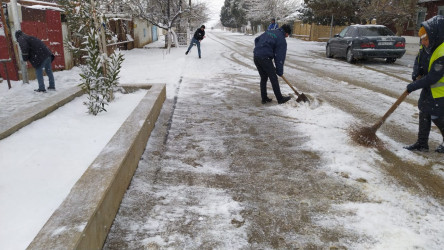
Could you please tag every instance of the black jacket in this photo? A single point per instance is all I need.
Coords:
(426, 102)
(33, 49)
(420, 69)
(421, 64)
(199, 34)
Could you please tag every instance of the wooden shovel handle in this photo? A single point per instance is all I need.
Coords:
(390, 111)
(291, 86)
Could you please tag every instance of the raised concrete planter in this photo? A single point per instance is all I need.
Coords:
(28, 115)
(84, 218)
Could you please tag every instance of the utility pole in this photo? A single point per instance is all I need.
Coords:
(11, 53)
(17, 26)
(189, 23)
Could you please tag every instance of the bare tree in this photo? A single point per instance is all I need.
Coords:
(341, 12)
(391, 12)
(261, 12)
(197, 14)
(165, 13)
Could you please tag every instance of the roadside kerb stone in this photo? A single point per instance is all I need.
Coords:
(84, 218)
(28, 115)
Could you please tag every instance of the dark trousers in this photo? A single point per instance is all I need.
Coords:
(425, 123)
(267, 70)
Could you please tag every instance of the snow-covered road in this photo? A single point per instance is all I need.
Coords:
(223, 171)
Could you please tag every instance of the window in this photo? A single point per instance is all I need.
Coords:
(441, 10)
(351, 32)
(342, 34)
(376, 31)
(420, 17)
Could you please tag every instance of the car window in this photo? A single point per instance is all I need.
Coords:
(351, 32)
(375, 31)
(342, 34)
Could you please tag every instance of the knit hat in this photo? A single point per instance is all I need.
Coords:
(286, 28)
(203, 26)
(422, 33)
(18, 34)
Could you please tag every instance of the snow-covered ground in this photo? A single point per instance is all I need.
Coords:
(393, 217)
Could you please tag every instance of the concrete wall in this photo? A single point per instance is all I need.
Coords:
(142, 33)
(84, 218)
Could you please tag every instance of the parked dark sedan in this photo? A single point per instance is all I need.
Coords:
(366, 41)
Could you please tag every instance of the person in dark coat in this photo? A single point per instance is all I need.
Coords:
(38, 54)
(430, 65)
(269, 46)
(199, 35)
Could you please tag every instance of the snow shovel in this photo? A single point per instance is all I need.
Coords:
(301, 97)
(367, 136)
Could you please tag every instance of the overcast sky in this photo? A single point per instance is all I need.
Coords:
(214, 6)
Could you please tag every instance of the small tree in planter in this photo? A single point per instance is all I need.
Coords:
(78, 18)
(100, 74)
(87, 42)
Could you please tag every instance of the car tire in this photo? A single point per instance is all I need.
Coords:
(350, 58)
(328, 52)
(390, 60)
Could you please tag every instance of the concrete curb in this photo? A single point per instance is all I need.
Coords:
(84, 218)
(28, 115)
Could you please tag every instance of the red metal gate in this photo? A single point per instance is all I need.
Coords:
(47, 26)
(44, 24)
(5, 54)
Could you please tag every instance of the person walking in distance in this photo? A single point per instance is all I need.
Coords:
(199, 35)
(273, 25)
(271, 46)
(39, 55)
(431, 100)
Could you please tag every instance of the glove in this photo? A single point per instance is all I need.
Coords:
(410, 88)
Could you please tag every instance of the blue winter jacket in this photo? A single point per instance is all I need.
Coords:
(272, 44)
(273, 26)
(427, 103)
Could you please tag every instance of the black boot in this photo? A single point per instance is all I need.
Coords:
(418, 147)
(440, 148)
(425, 122)
(284, 99)
(266, 100)
(439, 122)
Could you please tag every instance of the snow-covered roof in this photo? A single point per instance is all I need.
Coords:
(117, 16)
(43, 7)
(368, 25)
(35, 2)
